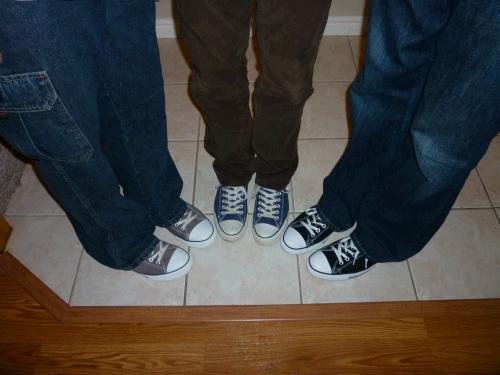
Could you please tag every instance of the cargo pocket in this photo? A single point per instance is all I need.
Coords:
(35, 121)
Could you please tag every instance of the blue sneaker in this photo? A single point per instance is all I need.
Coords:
(270, 214)
(230, 207)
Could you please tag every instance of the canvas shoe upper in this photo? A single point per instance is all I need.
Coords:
(230, 208)
(165, 262)
(340, 260)
(193, 228)
(270, 214)
(310, 231)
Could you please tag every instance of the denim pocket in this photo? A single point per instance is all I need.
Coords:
(38, 124)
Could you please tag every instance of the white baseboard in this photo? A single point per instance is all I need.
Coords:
(165, 28)
(344, 25)
(336, 25)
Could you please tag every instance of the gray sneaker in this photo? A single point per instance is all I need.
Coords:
(193, 228)
(166, 262)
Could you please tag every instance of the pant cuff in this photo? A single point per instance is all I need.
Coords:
(143, 255)
(176, 216)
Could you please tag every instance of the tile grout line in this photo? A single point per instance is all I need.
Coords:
(182, 140)
(412, 281)
(492, 206)
(300, 281)
(323, 139)
(352, 54)
(336, 80)
(34, 215)
(471, 208)
(197, 146)
(454, 209)
(175, 83)
(301, 298)
(76, 276)
(343, 80)
(184, 299)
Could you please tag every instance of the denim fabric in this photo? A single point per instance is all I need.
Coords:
(216, 34)
(82, 88)
(424, 110)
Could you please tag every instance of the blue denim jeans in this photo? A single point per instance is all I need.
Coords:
(424, 109)
(81, 93)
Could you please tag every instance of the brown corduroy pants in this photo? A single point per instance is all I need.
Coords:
(216, 35)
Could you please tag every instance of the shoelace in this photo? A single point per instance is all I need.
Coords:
(186, 219)
(232, 200)
(269, 203)
(346, 249)
(158, 253)
(313, 222)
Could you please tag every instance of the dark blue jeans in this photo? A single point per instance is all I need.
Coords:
(81, 93)
(424, 109)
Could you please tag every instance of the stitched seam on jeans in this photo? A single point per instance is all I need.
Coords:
(85, 203)
(127, 146)
(176, 217)
(335, 227)
(113, 248)
(411, 249)
(361, 248)
(353, 236)
(29, 136)
(79, 136)
(143, 255)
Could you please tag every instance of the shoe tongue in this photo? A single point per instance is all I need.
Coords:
(165, 254)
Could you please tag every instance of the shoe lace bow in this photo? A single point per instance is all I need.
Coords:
(313, 222)
(269, 202)
(232, 200)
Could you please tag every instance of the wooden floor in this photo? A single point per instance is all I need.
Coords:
(32, 341)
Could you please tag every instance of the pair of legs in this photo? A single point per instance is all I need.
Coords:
(424, 110)
(216, 36)
(82, 95)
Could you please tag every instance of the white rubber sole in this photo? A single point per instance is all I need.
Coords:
(184, 270)
(334, 237)
(166, 236)
(228, 237)
(325, 276)
(202, 244)
(268, 241)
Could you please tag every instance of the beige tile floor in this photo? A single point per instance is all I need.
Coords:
(462, 261)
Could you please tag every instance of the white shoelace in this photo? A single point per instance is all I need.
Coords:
(158, 254)
(186, 219)
(313, 222)
(232, 200)
(345, 250)
(269, 203)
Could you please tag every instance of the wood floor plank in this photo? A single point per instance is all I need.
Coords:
(424, 339)
(479, 355)
(465, 345)
(172, 357)
(5, 231)
(18, 358)
(321, 356)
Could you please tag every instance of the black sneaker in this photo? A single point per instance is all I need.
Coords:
(310, 231)
(340, 260)
(166, 262)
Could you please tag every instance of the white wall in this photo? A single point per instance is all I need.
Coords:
(164, 9)
(346, 18)
(349, 8)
